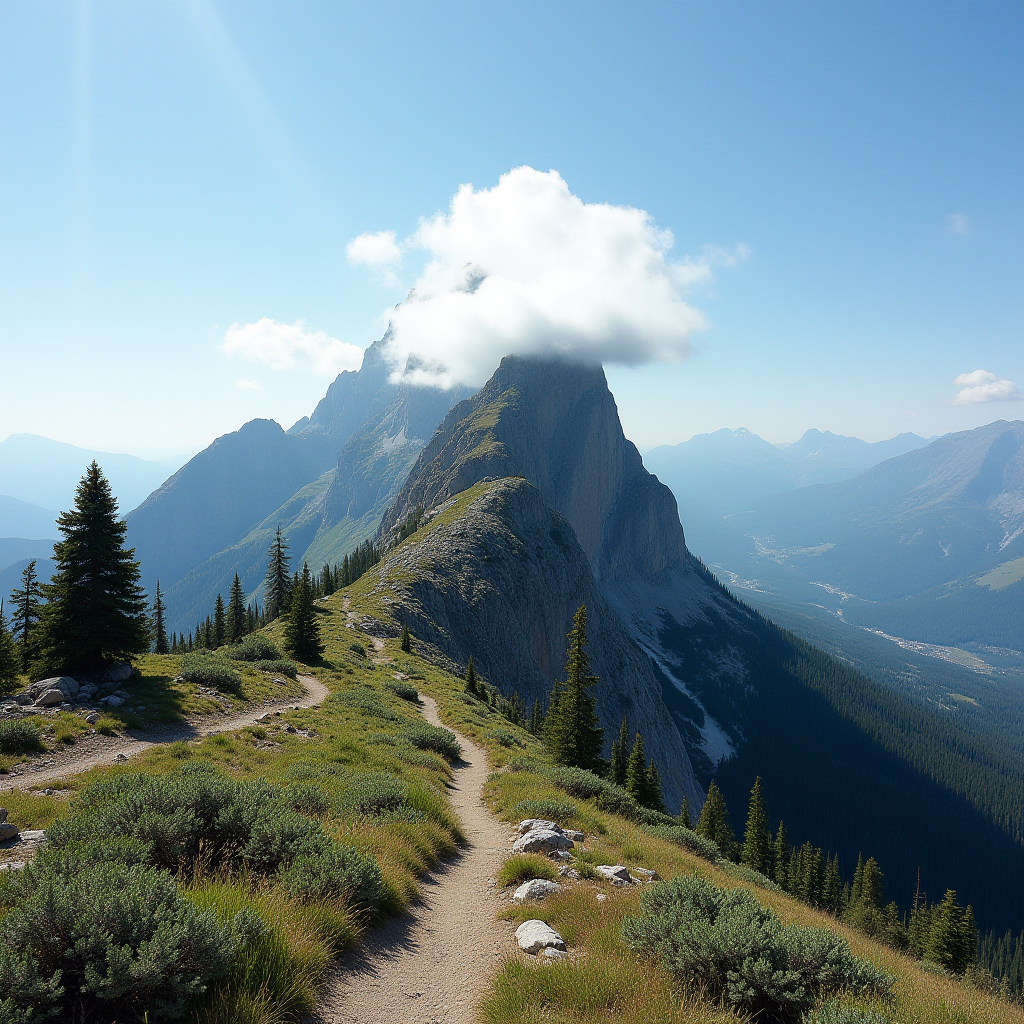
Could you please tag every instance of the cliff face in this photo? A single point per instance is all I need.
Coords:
(498, 574)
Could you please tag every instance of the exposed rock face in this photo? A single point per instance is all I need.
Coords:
(498, 574)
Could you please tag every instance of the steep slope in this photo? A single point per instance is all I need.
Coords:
(22, 519)
(843, 759)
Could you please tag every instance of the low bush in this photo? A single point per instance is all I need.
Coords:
(404, 690)
(330, 870)
(305, 798)
(367, 701)
(254, 647)
(505, 738)
(614, 799)
(210, 670)
(358, 648)
(196, 819)
(834, 1012)
(739, 951)
(521, 867)
(372, 793)
(19, 737)
(745, 873)
(431, 737)
(560, 811)
(108, 941)
(689, 840)
(278, 666)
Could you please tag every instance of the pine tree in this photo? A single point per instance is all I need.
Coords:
(159, 629)
(471, 681)
(952, 939)
(620, 755)
(219, 622)
(406, 642)
(277, 583)
(96, 608)
(536, 725)
(571, 729)
(757, 838)
(655, 797)
(302, 631)
(636, 771)
(684, 814)
(8, 654)
(236, 623)
(25, 617)
(714, 823)
(780, 857)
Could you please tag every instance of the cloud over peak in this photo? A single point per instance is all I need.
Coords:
(526, 267)
(983, 386)
(284, 346)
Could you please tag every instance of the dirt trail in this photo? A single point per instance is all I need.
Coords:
(97, 750)
(432, 967)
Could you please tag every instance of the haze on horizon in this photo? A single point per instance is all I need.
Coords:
(211, 210)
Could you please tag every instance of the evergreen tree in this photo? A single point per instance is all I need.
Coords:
(780, 857)
(655, 797)
(406, 642)
(620, 755)
(571, 729)
(952, 938)
(684, 813)
(832, 895)
(302, 631)
(757, 838)
(471, 680)
(536, 725)
(636, 771)
(25, 617)
(277, 583)
(219, 622)
(8, 654)
(714, 823)
(160, 645)
(236, 623)
(96, 608)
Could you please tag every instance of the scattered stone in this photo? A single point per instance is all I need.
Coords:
(535, 889)
(113, 701)
(645, 875)
(576, 837)
(601, 897)
(554, 954)
(8, 831)
(290, 728)
(564, 871)
(533, 936)
(542, 840)
(50, 697)
(617, 874)
(560, 855)
(121, 757)
(93, 717)
(33, 835)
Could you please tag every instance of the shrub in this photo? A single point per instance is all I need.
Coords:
(280, 666)
(305, 798)
(255, 647)
(108, 941)
(358, 648)
(404, 690)
(521, 867)
(833, 1012)
(367, 702)
(689, 840)
(725, 941)
(560, 811)
(745, 873)
(431, 737)
(374, 793)
(19, 737)
(335, 871)
(210, 670)
(611, 798)
(505, 738)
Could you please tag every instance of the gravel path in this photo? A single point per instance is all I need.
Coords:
(96, 750)
(433, 966)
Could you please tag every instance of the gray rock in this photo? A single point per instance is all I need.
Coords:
(542, 840)
(565, 871)
(8, 831)
(645, 875)
(119, 672)
(531, 823)
(617, 874)
(33, 835)
(50, 697)
(576, 837)
(113, 701)
(3, 813)
(554, 954)
(533, 936)
(93, 717)
(535, 889)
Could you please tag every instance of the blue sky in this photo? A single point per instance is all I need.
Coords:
(169, 170)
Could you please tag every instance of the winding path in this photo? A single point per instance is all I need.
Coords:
(98, 751)
(432, 967)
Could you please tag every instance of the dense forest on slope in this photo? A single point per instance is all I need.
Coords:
(853, 767)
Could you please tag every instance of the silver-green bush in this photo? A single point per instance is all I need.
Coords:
(210, 670)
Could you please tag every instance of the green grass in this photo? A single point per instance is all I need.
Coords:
(521, 867)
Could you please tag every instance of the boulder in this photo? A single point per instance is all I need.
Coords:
(113, 701)
(542, 840)
(533, 936)
(617, 874)
(50, 697)
(8, 831)
(119, 672)
(68, 687)
(535, 889)
(645, 875)
(576, 837)
(531, 823)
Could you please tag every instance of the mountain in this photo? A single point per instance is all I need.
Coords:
(325, 481)
(822, 447)
(528, 500)
(44, 472)
(23, 519)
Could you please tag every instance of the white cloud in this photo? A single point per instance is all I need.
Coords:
(375, 249)
(244, 384)
(983, 386)
(958, 224)
(284, 346)
(527, 267)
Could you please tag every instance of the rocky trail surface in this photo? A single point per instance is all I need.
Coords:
(91, 751)
(432, 967)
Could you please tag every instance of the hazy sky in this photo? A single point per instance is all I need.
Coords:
(181, 184)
